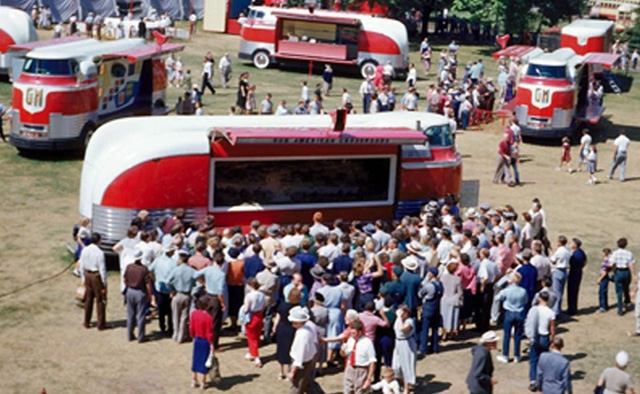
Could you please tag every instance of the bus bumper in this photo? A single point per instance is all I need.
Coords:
(32, 144)
(548, 133)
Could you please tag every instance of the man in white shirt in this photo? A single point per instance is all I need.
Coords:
(303, 351)
(620, 156)
(410, 100)
(560, 266)
(366, 90)
(282, 108)
(304, 93)
(93, 271)
(360, 361)
(540, 261)
(585, 144)
(225, 70)
(317, 226)
(541, 324)
(487, 274)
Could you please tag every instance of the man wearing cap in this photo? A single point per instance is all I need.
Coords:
(480, 379)
(181, 283)
(430, 292)
(554, 371)
(269, 242)
(93, 272)
(303, 352)
(411, 281)
(615, 380)
(161, 269)
(215, 286)
(360, 361)
(137, 280)
(514, 302)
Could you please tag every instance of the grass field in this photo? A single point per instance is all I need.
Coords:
(44, 345)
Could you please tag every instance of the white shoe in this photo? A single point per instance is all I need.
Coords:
(247, 356)
(516, 360)
(502, 359)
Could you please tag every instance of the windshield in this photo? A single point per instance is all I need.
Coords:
(50, 66)
(540, 71)
(439, 135)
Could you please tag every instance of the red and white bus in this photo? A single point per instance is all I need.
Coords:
(271, 168)
(552, 94)
(16, 27)
(66, 90)
(275, 35)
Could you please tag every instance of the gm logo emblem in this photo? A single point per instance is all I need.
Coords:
(33, 99)
(542, 97)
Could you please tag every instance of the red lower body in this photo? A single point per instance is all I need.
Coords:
(253, 330)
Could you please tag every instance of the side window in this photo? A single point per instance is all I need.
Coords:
(439, 135)
(118, 70)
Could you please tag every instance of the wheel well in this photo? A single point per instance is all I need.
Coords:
(159, 103)
(373, 61)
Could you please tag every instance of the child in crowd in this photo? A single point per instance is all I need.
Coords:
(186, 80)
(565, 159)
(388, 384)
(603, 281)
(592, 161)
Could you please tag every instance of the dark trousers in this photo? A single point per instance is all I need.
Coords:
(484, 308)
(94, 291)
(603, 289)
(206, 83)
(622, 279)
(267, 323)
(164, 313)
(304, 380)
(366, 103)
(573, 288)
(512, 320)
(430, 321)
(384, 353)
(136, 309)
(215, 310)
(540, 345)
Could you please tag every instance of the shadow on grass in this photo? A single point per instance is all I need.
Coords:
(606, 129)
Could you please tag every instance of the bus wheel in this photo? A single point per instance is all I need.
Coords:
(368, 69)
(261, 59)
(87, 133)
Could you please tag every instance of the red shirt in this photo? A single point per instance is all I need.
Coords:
(201, 325)
(504, 148)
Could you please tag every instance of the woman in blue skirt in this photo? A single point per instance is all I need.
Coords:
(201, 330)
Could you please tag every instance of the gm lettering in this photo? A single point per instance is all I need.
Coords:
(542, 97)
(34, 97)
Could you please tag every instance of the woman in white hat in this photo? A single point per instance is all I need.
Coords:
(615, 379)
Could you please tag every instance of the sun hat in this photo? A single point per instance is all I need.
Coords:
(170, 248)
(298, 314)
(415, 247)
(137, 255)
(317, 271)
(489, 337)
(622, 359)
(410, 263)
(273, 230)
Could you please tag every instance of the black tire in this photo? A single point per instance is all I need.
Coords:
(87, 133)
(261, 59)
(368, 68)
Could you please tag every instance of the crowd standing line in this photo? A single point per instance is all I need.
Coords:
(370, 298)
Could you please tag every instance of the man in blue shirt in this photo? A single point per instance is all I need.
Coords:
(554, 371)
(181, 283)
(161, 269)
(529, 275)
(307, 261)
(343, 262)
(514, 302)
(411, 281)
(253, 264)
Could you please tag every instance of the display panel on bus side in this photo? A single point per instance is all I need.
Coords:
(302, 182)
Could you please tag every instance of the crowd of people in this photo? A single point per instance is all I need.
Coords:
(372, 297)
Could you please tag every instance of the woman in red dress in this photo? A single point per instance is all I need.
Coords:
(201, 330)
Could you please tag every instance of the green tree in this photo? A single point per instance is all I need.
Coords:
(634, 32)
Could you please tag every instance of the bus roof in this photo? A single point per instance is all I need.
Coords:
(587, 28)
(85, 49)
(559, 57)
(137, 140)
